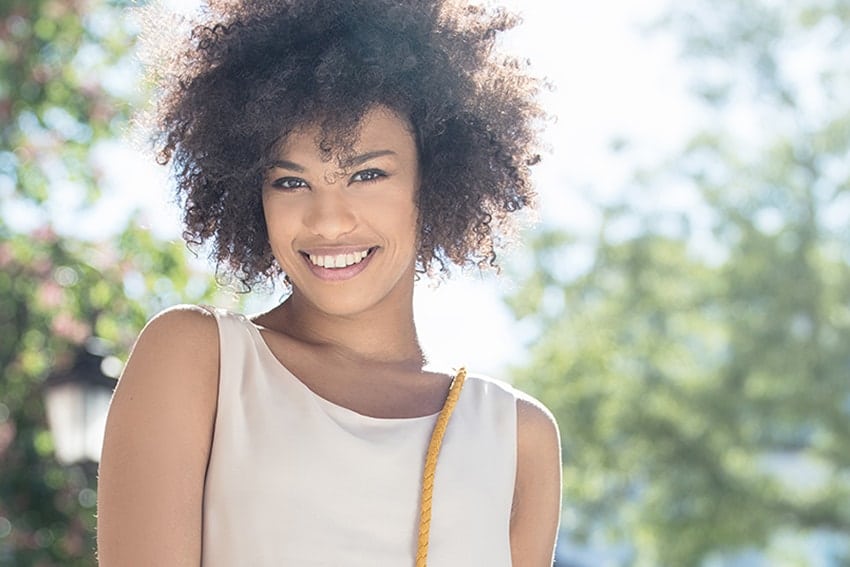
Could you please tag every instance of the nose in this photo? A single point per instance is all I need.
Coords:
(331, 214)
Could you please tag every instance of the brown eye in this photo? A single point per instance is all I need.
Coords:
(368, 175)
(288, 183)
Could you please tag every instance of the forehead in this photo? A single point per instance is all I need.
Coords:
(380, 128)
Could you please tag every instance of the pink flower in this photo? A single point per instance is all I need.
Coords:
(7, 435)
(50, 295)
(6, 255)
(66, 327)
(44, 234)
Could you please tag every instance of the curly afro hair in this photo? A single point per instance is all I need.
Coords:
(252, 71)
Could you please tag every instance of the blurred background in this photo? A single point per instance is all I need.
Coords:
(683, 305)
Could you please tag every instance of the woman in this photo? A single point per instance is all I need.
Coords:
(342, 148)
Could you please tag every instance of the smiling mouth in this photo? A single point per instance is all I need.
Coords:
(338, 261)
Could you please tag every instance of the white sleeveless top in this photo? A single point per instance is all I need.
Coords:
(296, 480)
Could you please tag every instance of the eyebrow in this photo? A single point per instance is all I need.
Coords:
(363, 158)
(284, 164)
(353, 162)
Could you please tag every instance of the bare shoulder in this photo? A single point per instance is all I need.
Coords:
(538, 443)
(183, 326)
(173, 364)
(176, 353)
(177, 349)
(537, 492)
(534, 420)
(157, 443)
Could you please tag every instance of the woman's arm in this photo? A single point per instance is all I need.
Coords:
(157, 444)
(537, 494)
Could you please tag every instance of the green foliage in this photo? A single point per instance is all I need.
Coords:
(704, 398)
(54, 294)
(66, 84)
(60, 90)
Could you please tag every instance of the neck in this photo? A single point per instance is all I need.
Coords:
(385, 333)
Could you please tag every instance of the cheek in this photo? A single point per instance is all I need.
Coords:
(278, 215)
(280, 230)
(406, 225)
(267, 205)
(401, 216)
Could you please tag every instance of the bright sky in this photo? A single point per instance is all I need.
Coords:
(610, 81)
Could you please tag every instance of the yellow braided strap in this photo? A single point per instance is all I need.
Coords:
(431, 467)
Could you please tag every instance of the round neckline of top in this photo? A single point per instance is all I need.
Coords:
(257, 331)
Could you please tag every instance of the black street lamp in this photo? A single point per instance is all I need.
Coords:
(77, 399)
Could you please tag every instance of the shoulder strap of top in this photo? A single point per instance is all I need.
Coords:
(235, 342)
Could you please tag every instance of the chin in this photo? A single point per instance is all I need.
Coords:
(341, 305)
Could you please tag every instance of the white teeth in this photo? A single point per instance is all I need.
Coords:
(338, 261)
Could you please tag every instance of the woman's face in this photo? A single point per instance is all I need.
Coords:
(346, 236)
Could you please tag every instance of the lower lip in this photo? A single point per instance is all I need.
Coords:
(339, 274)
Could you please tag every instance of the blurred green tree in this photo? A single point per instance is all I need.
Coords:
(701, 378)
(66, 85)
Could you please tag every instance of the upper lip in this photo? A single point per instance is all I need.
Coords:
(334, 250)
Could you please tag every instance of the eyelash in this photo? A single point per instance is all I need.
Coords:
(373, 175)
(283, 181)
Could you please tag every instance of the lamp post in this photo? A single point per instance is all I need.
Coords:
(77, 399)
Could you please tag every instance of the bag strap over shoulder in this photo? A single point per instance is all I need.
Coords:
(431, 467)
